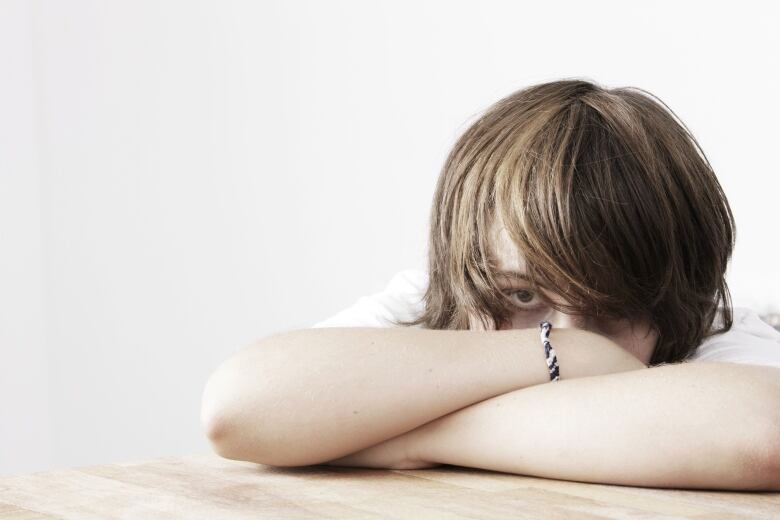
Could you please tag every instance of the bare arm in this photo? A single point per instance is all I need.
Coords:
(689, 425)
(312, 395)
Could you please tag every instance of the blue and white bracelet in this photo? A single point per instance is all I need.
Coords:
(549, 351)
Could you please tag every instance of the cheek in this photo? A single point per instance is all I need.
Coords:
(640, 343)
(528, 319)
(517, 322)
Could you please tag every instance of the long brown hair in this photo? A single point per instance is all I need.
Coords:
(608, 197)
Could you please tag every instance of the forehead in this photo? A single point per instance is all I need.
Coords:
(508, 260)
(502, 251)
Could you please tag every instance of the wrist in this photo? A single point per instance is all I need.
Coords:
(418, 443)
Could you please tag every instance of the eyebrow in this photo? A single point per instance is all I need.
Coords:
(511, 275)
(514, 274)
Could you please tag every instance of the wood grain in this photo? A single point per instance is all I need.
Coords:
(209, 487)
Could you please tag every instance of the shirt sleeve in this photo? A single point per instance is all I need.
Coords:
(402, 299)
(751, 340)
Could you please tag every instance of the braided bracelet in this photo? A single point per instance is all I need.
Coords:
(549, 351)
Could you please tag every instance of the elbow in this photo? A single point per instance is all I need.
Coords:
(762, 461)
(218, 432)
(215, 420)
(248, 411)
(774, 475)
(211, 413)
(766, 466)
(231, 438)
(229, 432)
(772, 434)
(773, 466)
(234, 420)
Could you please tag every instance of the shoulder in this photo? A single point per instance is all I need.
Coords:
(401, 299)
(408, 281)
(750, 340)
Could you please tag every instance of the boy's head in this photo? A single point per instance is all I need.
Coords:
(532, 305)
(608, 200)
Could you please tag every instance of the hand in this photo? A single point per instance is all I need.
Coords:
(395, 453)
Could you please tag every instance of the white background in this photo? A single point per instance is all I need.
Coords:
(180, 178)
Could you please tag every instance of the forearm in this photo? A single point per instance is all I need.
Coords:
(691, 425)
(312, 395)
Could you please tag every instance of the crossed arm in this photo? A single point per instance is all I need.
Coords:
(689, 425)
(404, 398)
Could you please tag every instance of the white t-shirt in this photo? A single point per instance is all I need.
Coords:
(750, 340)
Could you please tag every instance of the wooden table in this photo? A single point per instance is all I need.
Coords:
(210, 487)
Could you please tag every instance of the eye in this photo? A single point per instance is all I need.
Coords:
(523, 298)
